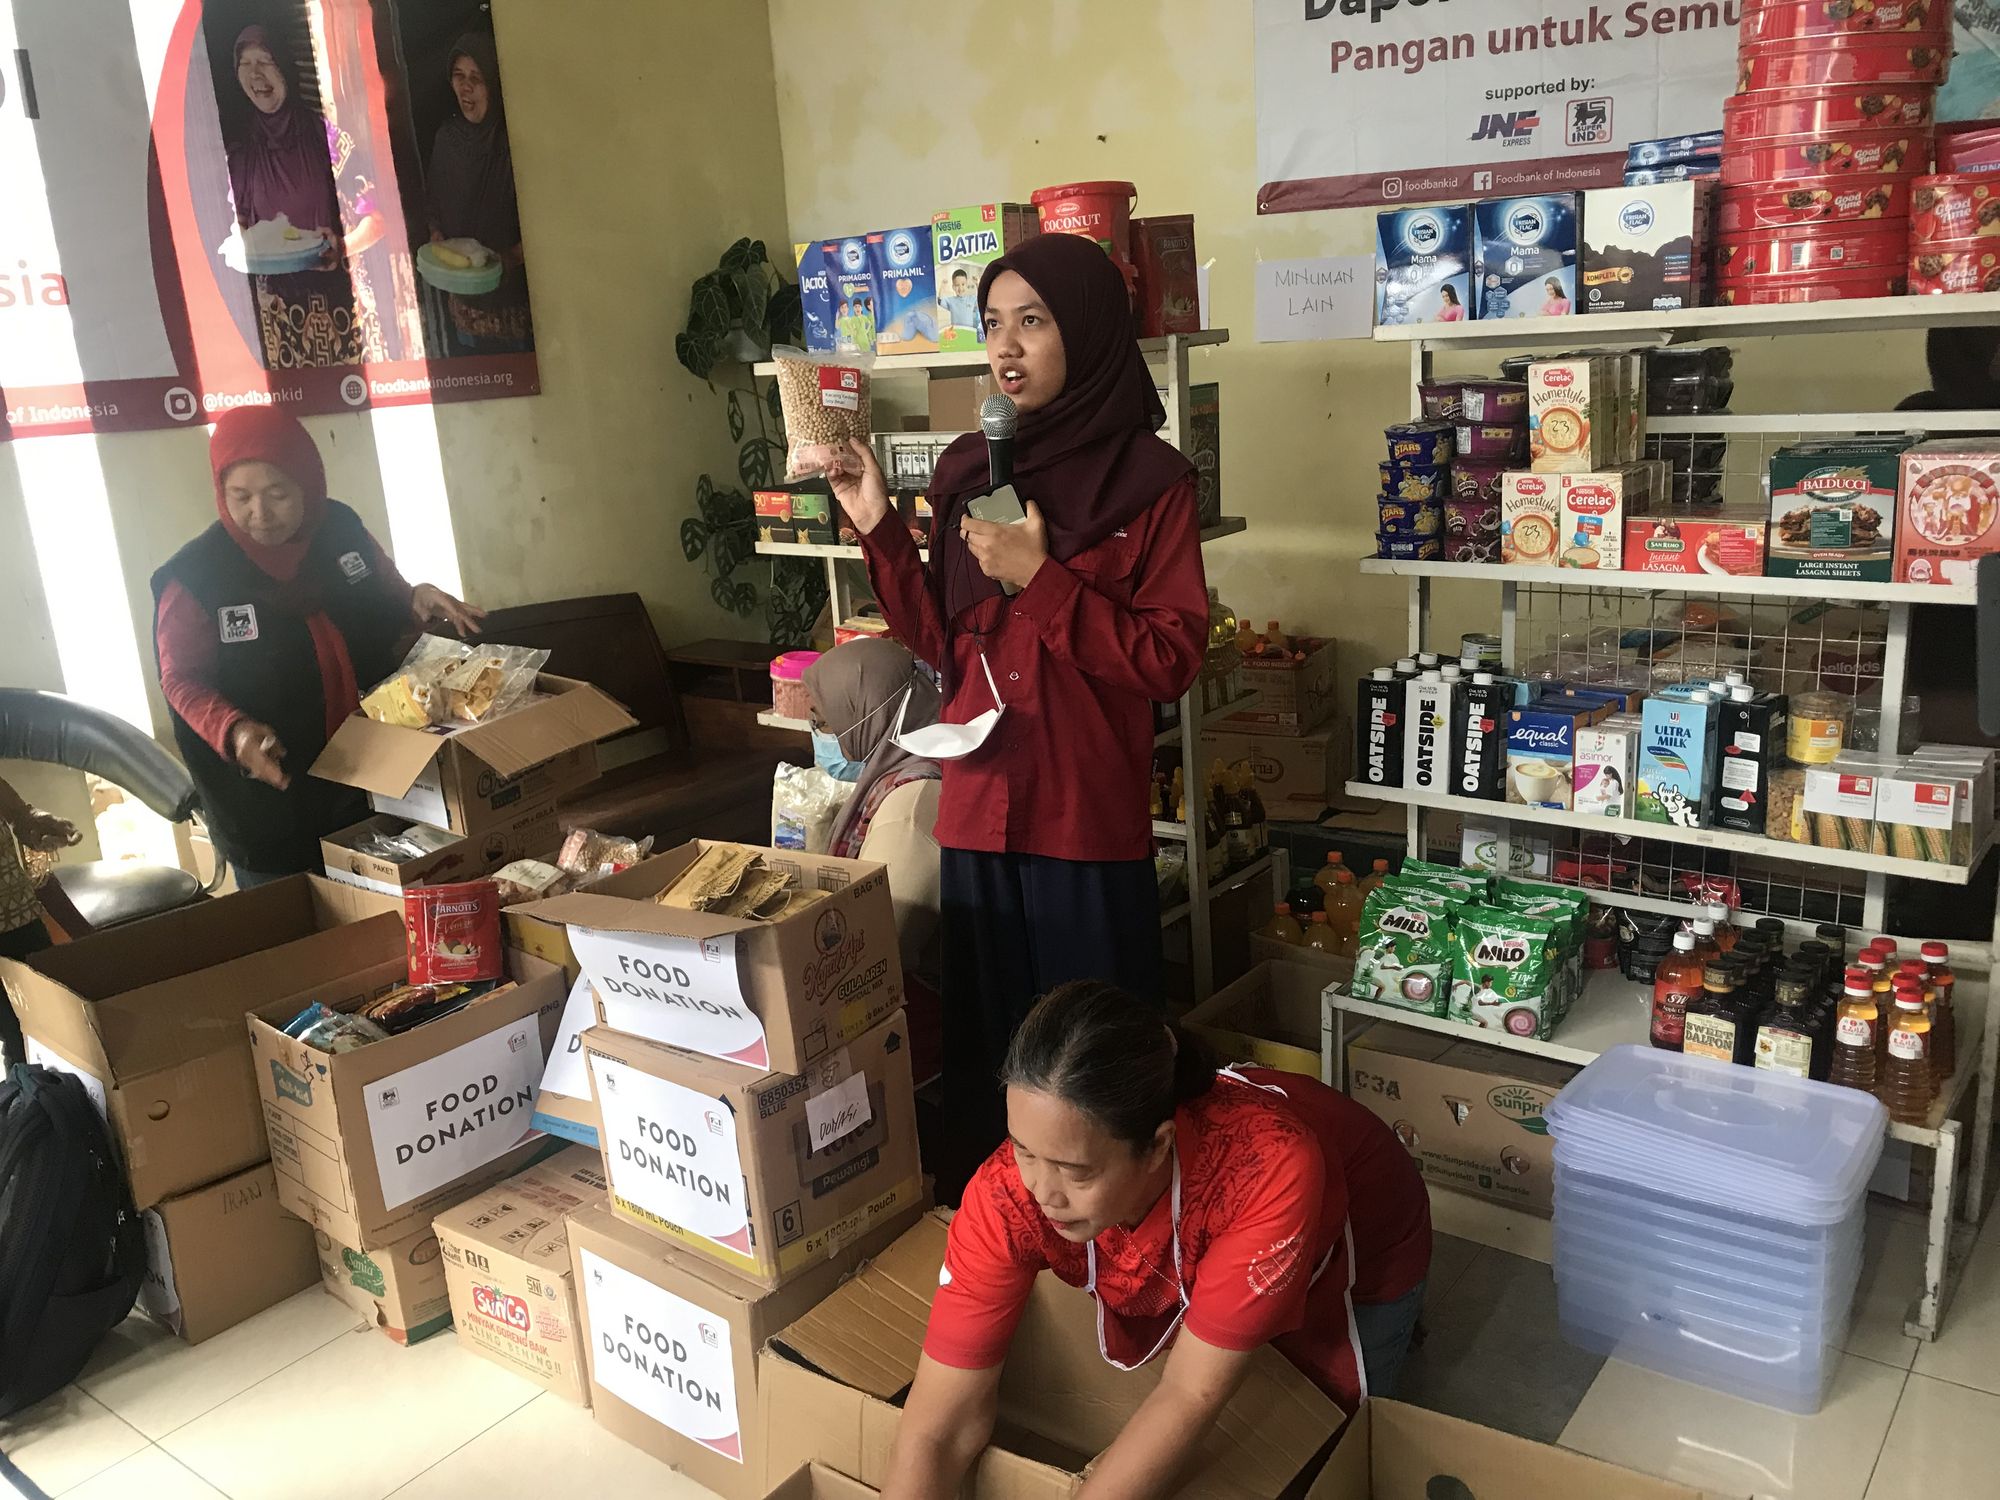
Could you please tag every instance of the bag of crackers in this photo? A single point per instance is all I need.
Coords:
(456, 684)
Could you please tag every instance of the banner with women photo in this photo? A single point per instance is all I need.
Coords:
(214, 203)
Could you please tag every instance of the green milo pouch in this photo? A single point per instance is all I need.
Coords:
(1504, 971)
(1473, 883)
(1403, 948)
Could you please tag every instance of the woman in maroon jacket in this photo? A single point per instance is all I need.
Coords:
(1069, 624)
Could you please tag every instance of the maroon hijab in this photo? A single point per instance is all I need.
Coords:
(279, 163)
(1090, 458)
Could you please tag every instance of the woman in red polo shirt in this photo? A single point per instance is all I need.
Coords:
(1070, 624)
(1210, 1211)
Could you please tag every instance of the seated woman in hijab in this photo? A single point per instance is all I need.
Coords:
(860, 692)
(471, 188)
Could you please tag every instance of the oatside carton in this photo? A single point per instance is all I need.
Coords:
(815, 295)
(1524, 256)
(907, 314)
(1427, 734)
(1676, 744)
(1423, 264)
(1479, 741)
(964, 242)
(1378, 729)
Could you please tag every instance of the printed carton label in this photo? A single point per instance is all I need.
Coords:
(662, 1355)
(451, 1114)
(672, 1153)
(674, 990)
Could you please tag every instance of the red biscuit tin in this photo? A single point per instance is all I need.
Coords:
(1791, 20)
(1820, 111)
(1840, 59)
(1954, 206)
(1885, 153)
(1954, 266)
(1813, 247)
(1812, 200)
(1812, 286)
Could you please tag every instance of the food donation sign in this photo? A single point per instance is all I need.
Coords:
(1379, 101)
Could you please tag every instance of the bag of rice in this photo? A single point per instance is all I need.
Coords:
(1503, 968)
(825, 402)
(1403, 950)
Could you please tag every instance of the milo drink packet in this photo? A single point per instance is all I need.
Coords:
(1571, 911)
(1504, 969)
(1403, 948)
(1473, 883)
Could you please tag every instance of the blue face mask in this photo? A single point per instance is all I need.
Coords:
(828, 757)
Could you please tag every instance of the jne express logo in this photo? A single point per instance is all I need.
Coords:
(1515, 128)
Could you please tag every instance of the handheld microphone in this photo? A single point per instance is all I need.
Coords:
(998, 419)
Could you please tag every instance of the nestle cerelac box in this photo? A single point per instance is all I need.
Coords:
(965, 241)
(906, 319)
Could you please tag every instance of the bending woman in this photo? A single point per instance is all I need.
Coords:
(1210, 1212)
(1054, 636)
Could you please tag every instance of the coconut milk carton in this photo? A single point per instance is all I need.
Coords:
(1676, 745)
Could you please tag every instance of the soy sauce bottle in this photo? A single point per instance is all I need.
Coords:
(1722, 1023)
(1793, 1036)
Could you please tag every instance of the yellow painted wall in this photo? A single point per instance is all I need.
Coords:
(885, 121)
(645, 140)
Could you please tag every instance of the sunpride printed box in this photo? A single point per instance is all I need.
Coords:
(507, 1267)
(907, 317)
(765, 1174)
(1676, 744)
(964, 242)
(370, 1144)
(1524, 256)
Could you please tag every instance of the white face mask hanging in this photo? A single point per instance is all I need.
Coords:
(1180, 1284)
(950, 741)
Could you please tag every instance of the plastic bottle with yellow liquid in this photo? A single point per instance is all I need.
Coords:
(1320, 935)
(1283, 927)
(1343, 910)
(1374, 877)
(1854, 1031)
(1329, 872)
(1906, 1074)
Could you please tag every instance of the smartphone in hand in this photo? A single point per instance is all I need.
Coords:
(1003, 505)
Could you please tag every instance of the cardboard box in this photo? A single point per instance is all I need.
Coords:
(1293, 697)
(1530, 518)
(830, 1383)
(399, 1287)
(223, 1253)
(815, 295)
(1524, 256)
(370, 1144)
(1699, 541)
(1833, 509)
(1297, 777)
(1575, 414)
(1591, 516)
(955, 401)
(536, 834)
(784, 1170)
(1469, 1115)
(1527, 853)
(965, 241)
(1947, 510)
(1271, 1016)
(507, 1268)
(1423, 264)
(468, 780)
(906, 320)
(564, 1107)
(816, 1482)
(1395, 1452)
(768, 995)
(150, 1015)
(673, 1345)
(854, 293)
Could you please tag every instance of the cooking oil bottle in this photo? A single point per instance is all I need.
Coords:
(1854, 1033)
(1944, 1023)
(1906, 1076)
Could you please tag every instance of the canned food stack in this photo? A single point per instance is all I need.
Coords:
(1823, 143)
(1709, 1220)
(1488, 421)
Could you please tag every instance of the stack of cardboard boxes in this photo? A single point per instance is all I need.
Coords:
(748, 1085)
(1287, 738)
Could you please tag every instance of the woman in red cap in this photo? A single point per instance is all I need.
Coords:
(268, 626)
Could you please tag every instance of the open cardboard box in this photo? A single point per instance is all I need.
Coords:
(672, 1344)
(787, 1170)
(831, 1384)
(1395, 1452)
(469, 779)
(772, 996)
(150, 1015)
(535, 834)
(815, 1482)
(1271, 1016)
(370, 1144)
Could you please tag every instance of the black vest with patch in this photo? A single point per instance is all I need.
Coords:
(266, 667)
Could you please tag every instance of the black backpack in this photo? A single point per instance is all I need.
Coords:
(72, 1251)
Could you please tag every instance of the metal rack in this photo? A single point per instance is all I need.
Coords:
(1169, 358)
(1799, 883)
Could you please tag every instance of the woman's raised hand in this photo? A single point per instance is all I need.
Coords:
(856, 479)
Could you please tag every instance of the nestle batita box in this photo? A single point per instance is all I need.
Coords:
(1423, 264)
(507, 1269)
(765, 995)
(1833, 509)
(964, 242)
(1644, 247)
(1524, 256)
(764, 1174)
(907, 317)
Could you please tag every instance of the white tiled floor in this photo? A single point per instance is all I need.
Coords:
(255, 1414)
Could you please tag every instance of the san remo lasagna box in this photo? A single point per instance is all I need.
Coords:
(773, 993)
(370, 1144)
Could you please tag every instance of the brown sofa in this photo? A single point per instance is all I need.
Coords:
(656, 781)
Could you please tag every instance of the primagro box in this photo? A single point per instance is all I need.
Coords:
(507, 1270)
(762, 1173)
